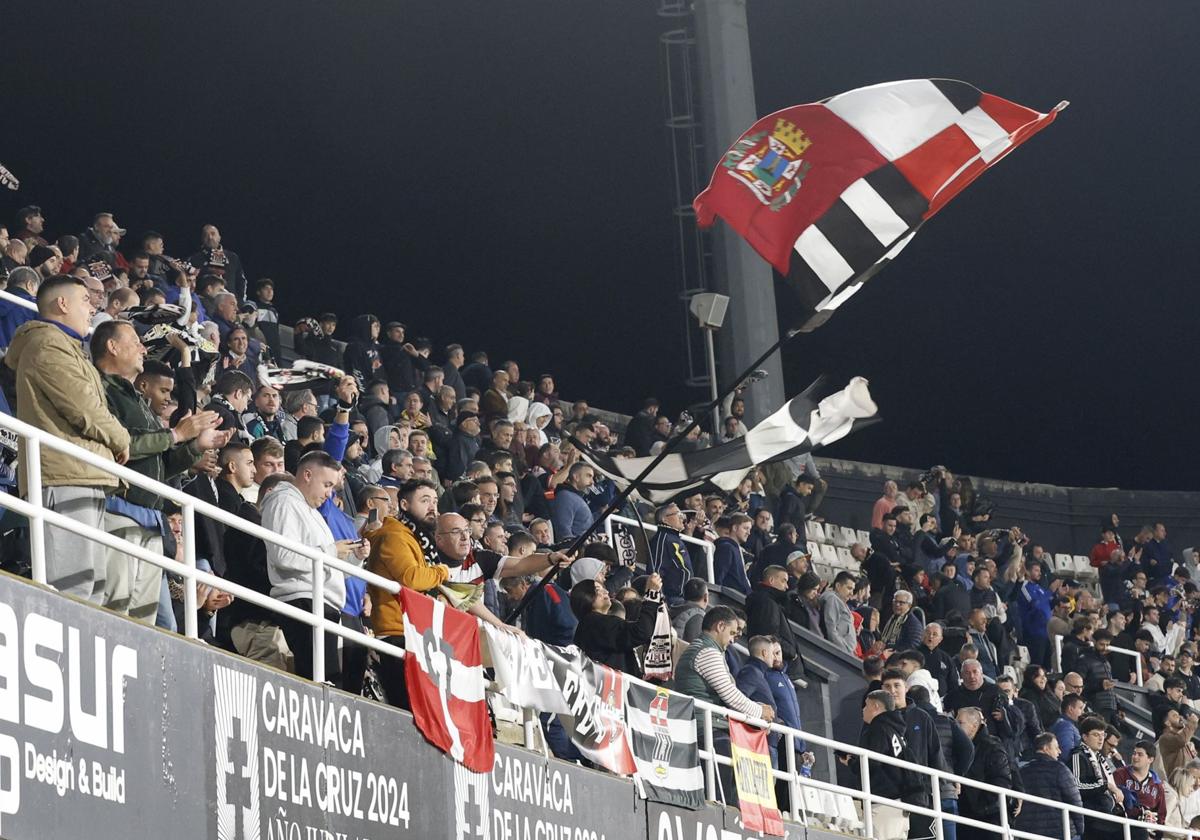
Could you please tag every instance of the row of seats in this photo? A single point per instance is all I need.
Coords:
(837, 536)
(1078, 567)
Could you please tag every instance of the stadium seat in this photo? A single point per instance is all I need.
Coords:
(864, 537)
(813, 532)
(834, 532)
(1084, 569)
(846, 561)
(1064, 564)
(829, 556)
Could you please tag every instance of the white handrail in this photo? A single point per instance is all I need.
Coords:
(1137, 657)
(11, 298)
(705, 545)
(40, 516)
(185, 500)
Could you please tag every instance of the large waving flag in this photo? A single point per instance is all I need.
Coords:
(829, 192)
(816, 418)
(444, 673)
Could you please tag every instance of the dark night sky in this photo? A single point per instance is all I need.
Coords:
(497, 174)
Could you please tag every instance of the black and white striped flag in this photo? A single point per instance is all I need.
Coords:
(816, 418)
(662, 734)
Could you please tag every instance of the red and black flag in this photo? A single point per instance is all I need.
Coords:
(829, 192)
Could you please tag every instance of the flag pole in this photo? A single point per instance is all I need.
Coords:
(671, 445)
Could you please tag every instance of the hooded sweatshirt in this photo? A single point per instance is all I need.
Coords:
(361, 358)
(536, 411)
(288, 513)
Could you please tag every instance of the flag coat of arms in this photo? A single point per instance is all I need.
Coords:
(595, 698)
(829, 192)
(752, 775)
(662, 735)
(444, 672)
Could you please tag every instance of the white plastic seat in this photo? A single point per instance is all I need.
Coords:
(864, 537)
(813, 532)
(846, 561)
(1064, 564)
(829, 555)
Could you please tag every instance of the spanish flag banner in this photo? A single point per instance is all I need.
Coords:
(752, 775)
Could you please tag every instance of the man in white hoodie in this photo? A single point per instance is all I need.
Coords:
(291, 511)
(912, 663)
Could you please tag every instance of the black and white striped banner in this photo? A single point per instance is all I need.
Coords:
(816, 418)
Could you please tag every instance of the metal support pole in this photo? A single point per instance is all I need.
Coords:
(793, 787)
(938, 826)
(1004, 815)
(1066, 824)
(864, 770)
(190, 628)
(711, 354)
(37, 525)
(318, 630)
(710, 769)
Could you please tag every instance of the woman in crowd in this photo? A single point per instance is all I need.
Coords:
(1039, 691)
(605, 638)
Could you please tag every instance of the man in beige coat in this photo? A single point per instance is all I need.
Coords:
(59, 391)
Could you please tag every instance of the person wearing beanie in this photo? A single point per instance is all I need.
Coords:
(46, 259)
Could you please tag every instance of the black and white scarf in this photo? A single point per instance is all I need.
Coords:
(243, 434)
(424, 538)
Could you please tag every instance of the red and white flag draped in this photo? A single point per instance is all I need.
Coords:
(829, 192)
(444, 672)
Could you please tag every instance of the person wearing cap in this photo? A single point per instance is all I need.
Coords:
(100, 239)
(46, 259)
(462, 446)
(23, 282)
(30, 225)
(1107, 545)
(402, 362)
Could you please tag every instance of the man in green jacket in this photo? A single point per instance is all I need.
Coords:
(132, 585)
(58, 391)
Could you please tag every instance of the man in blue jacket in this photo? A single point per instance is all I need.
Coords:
(668, 556)
(569, 511)
(1035, 605)
(1048, 777)
(729, 560)
(787, 705)
(752, 680)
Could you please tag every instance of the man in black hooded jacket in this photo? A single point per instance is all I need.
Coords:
(991, 765)
(361, 358)
(766, 615)
(886, 733)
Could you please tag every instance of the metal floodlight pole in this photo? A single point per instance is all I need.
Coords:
(710, 349)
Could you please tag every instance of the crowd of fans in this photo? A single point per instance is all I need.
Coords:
(455, 476)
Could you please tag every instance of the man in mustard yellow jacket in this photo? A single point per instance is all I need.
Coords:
(59, 391)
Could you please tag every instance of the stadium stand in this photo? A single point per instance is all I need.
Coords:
(175, 456)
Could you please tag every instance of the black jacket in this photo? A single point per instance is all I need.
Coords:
(766, 615)
(792, 508)
(926, 745)
(477, 375)
(362, 353)
(987, 698)
(939, 664)
(1095, 669)
(1048, 707)
(611, 641)
(992, 766)
(887, 734)
(322, 351)
(957, 749)
(405, 372)
(640, 433)
(951, 597)
(776, 554)
(1048, 778)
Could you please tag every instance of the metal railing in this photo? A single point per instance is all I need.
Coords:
(39, 517)
(11, 298)
(705, 546)
(1137, 658)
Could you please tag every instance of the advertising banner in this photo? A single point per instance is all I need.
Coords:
(752, 775)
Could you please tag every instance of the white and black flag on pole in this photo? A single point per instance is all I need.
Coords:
(662, 734)
(816, 418)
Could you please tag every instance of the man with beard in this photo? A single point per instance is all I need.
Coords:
(403, 550)
(214, 258)
(974, 691)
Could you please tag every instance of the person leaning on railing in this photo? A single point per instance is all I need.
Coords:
(60, 392)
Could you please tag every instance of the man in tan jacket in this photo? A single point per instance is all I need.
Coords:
(59, 391)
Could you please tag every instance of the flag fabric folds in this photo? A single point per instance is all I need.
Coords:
(752, 775)
(662, 734)
(830, 191)
(444, 672)
(818, 417)
(7, 179)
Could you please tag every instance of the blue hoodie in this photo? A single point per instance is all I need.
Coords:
(730, 569)
(13, 315)
(339, 523)
(549, 618)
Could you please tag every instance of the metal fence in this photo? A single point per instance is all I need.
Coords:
(802, 789)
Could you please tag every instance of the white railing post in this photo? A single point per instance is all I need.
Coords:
(1066, 824)
(1058, 653)
(793, 786)
(1004, 815)
(318, 630)
(938, 825)
(1128, 831)
(608, 531)
(190, 628)
(37, 524)
(1137, 661)
(710, 556)
(710, 775)
(864, 772)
